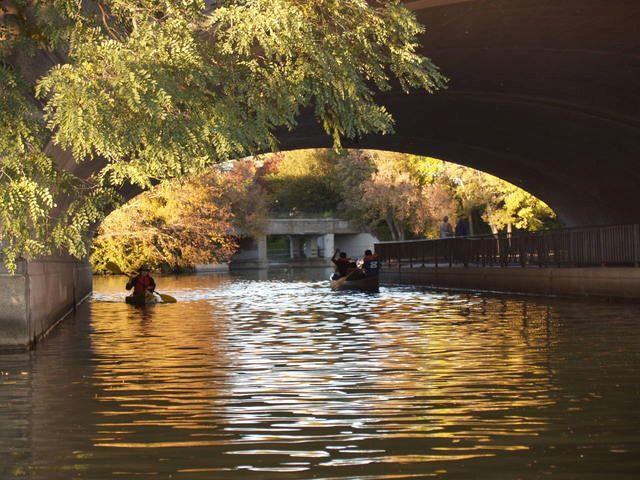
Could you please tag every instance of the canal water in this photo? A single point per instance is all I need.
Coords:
(276, 377)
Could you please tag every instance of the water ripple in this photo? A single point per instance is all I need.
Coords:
(281, 378)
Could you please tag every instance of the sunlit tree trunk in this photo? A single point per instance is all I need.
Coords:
(397, 233)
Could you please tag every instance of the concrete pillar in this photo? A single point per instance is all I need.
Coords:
(294, 247)
(261, 242)
(37, 296)
(252, 254)
(312, 246)
(329, 245)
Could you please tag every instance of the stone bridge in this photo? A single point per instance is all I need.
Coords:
(544, 94)
(310, 242)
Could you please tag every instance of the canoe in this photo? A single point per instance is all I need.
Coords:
(147, 299)
(367, 284)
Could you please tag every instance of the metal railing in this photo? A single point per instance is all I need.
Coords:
(612, 245)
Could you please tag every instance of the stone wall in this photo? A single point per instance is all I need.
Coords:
(622, 283)
(38, 296)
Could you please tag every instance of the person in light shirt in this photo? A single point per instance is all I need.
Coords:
(446, 230)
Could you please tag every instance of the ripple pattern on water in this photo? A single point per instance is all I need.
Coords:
(278, 377)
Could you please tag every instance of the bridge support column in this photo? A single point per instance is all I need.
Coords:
(329, 244)
(261, 242)
(311, 249)
(294, 247)
(252, 254)
(38, 296)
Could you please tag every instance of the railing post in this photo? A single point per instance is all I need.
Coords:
(570, 249)
(495, 252)
(410, 257)
(601, 239)
(435, 253)
(482, 251)
(636, 242)
(465, 252)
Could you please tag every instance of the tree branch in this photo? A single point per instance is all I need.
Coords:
(105, 21)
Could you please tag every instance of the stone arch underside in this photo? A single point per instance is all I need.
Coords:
(544, 94)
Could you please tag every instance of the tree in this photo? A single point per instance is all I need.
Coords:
(412, 193)
(182, 223)
(499, 203)
(149, 90)
(175, 225)
(386, 187)
(246, 197)
(513, 207)
(303, 181)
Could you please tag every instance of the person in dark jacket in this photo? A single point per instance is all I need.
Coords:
(142, 283)
(370, 264)
(343, 264)
(462, 227)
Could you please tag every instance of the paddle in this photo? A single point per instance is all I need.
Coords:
(342, 280)
(113, 268)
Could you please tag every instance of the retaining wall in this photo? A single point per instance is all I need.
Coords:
(623, 283)
(38, 296)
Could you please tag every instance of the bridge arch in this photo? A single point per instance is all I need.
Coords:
(542, 94)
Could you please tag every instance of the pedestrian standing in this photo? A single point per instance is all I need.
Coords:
(446, 230)
(462, 227)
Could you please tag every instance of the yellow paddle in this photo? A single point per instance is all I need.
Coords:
(113, 268)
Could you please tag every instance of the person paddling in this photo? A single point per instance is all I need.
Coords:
(142, 283)
(342, 263)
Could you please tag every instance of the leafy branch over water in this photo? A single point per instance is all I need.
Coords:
(152, 90)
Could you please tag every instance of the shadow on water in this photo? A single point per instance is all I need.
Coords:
(262, 376)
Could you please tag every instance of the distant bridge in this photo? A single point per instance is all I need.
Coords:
(310, 242)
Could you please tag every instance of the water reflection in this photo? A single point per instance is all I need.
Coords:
(281, 378)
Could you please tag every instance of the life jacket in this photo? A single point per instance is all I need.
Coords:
(371, 265)
(142, 283)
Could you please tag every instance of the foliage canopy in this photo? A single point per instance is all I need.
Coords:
(407, 194)
(199, 220)
(183, 222)
(149, 90)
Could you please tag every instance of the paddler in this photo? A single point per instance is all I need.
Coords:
(343, 264)
(142, 283)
